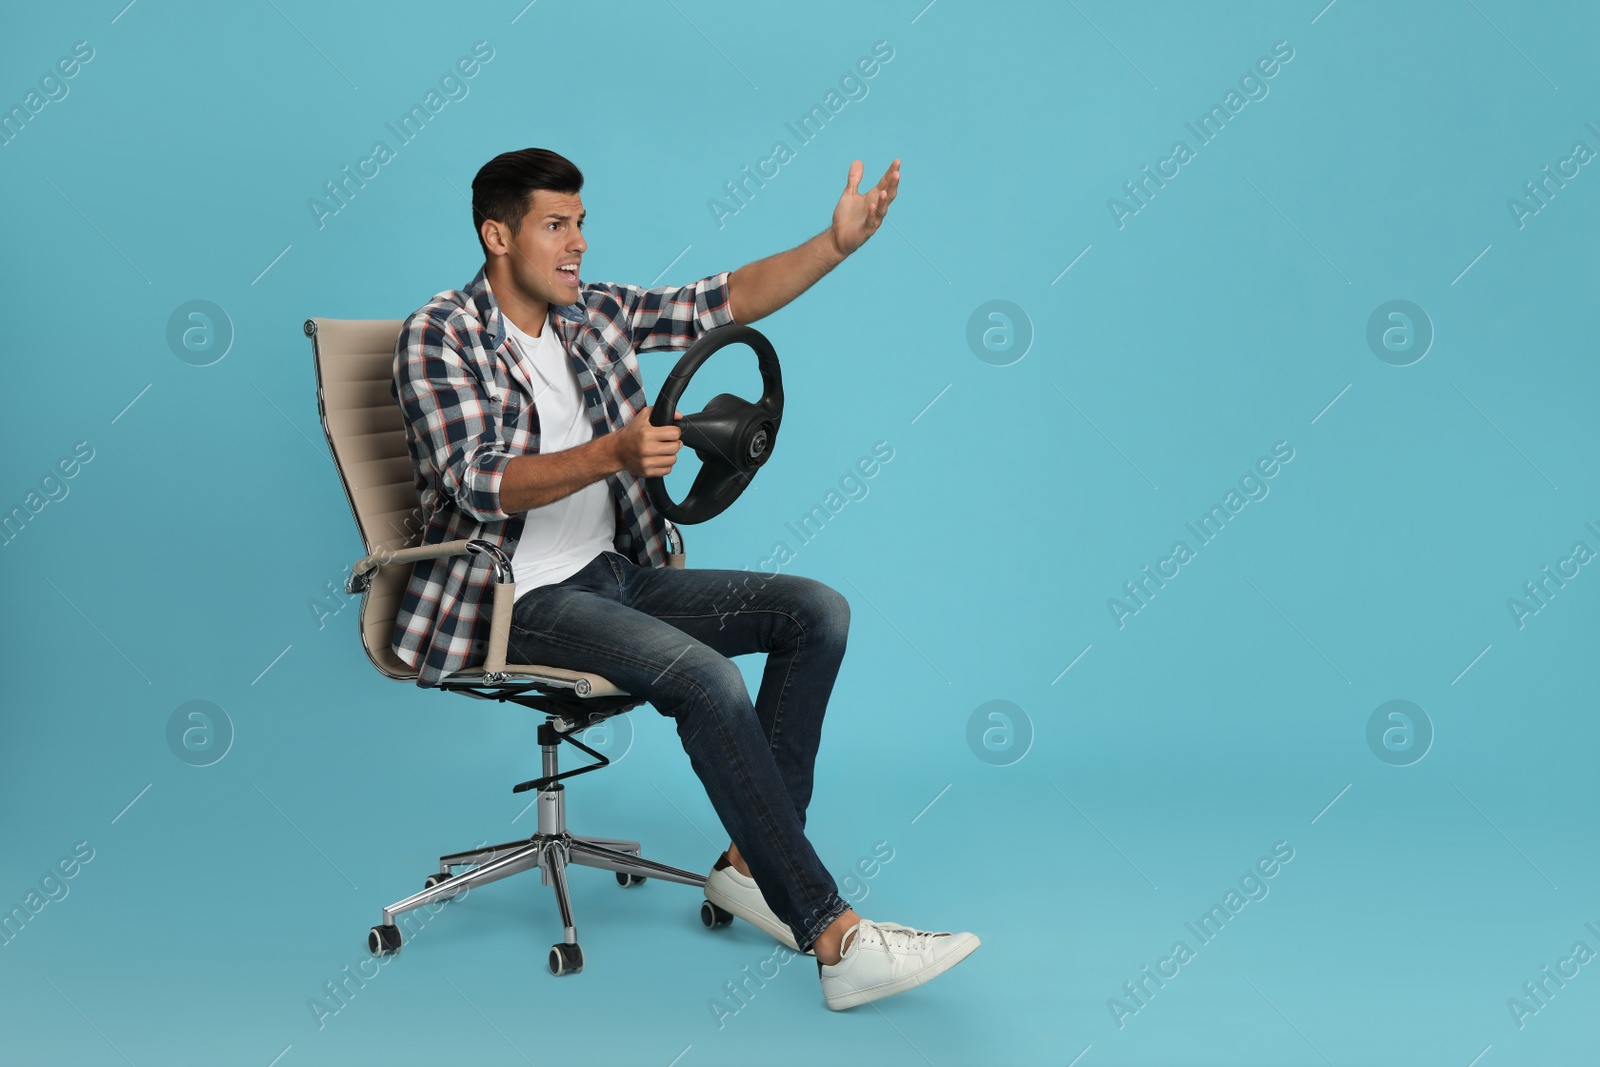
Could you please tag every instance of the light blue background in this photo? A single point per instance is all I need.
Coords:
(1229, 714)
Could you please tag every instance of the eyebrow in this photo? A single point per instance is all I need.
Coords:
(564, 218)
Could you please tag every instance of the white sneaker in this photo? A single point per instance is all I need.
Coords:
(883, 959)
(738, 893)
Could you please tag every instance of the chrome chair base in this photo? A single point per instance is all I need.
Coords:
(551, 849)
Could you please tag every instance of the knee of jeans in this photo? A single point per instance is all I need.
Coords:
(827, 614)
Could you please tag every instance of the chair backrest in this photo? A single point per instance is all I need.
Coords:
(354, 361)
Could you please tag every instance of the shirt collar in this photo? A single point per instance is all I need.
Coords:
(489, 313)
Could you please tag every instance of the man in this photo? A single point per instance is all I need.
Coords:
(527, 425)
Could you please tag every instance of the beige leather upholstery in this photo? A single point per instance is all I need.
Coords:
(355, 363)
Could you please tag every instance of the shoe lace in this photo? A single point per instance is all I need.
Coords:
(904, 938)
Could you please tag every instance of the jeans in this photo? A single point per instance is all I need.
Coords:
(664, 635)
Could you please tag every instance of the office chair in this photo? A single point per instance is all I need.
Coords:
(354, 361)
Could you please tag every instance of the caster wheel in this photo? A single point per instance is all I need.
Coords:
(383, 940)
(434, 879)
(713, 916)
(565, 959)
(626, 880)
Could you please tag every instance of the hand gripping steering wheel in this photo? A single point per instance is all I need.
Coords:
(732, 436)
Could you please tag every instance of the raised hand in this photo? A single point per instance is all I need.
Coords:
(857, 215)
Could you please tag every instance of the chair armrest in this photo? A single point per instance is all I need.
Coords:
(362, 570)
(505, 597)
(675, 549)
(495, 667)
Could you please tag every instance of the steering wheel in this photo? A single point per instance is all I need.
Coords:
(732, 436)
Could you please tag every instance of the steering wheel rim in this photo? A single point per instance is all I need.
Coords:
(732, 436)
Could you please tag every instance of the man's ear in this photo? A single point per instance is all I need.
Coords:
(491, 227)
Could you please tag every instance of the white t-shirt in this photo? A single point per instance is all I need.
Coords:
(559, 538)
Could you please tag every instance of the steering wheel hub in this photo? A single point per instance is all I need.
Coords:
(758, 443)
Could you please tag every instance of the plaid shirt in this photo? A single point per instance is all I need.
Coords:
(468, 407)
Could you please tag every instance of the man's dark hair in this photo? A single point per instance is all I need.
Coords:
(503, 189)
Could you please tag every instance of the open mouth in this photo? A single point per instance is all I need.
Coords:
(568, 273)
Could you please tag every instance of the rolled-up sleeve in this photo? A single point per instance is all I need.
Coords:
(452, 419)
(673, 316)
